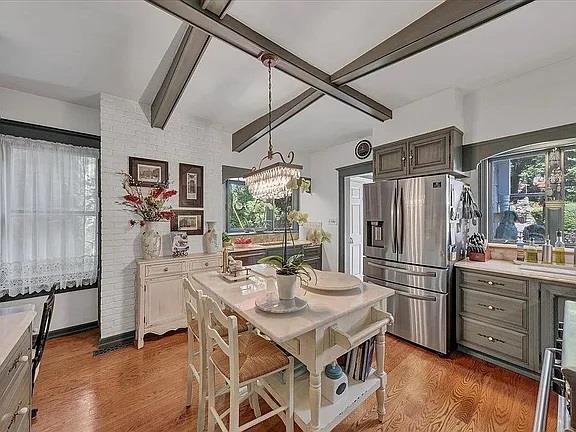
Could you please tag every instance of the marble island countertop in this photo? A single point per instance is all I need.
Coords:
(509, 268)
(13, 324)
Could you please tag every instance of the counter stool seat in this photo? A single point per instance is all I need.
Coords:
(256, 357)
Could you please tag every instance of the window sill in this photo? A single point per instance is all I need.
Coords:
(6, 298)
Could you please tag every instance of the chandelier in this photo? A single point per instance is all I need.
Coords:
(278, 179)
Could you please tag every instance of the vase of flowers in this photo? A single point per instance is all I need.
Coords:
(290, 272)
(153, 212)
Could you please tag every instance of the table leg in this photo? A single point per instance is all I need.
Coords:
(380, 392)
(315, 398)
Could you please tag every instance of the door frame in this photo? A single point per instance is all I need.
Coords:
(343, 172)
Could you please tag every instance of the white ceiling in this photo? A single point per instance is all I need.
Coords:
(74, 49)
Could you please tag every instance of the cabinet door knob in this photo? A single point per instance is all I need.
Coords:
(23, 411)
(491, 307)
(490, 338)
(23, 359)
(490, 283)
(165, 269)
(206, 264)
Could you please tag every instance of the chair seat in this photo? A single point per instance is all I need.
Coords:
(257, 357)
(222, 331)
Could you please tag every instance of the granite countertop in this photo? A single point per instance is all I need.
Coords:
(261, 246)
(12, 327)
(508, 268)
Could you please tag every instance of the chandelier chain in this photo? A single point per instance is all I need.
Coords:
(269, 107)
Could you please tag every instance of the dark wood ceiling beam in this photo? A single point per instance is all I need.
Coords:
(187, 57)
(252, 132)
(447, 20)
(244, 38)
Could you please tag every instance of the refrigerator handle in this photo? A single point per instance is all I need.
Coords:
(395, 224)
(401, 242)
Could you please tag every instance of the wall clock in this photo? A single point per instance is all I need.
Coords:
(363, 149)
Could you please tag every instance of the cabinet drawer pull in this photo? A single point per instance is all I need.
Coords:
(490, 282)
(165, 269)
(22, 411)
(490, 338)
(491, 307)
(23, 359)
(206, 264)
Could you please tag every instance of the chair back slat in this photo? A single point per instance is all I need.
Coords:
(193, 297)
(213, 316)
(42, 337)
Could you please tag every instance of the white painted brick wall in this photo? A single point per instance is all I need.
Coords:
(125, 132)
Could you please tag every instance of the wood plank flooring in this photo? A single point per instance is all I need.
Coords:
(144, 390)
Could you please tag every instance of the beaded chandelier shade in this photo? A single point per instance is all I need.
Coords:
(278, 179)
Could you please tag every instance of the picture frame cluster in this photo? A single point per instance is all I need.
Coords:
(189, 217)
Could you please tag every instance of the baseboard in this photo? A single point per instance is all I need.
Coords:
(67, 331)
(115, 342)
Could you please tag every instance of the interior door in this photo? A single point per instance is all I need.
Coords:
(355, 225)
(423, 220)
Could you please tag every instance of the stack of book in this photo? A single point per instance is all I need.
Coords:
(358, 362)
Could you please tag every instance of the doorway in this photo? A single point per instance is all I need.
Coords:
(354, 223)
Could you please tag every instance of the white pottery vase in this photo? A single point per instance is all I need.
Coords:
(287, 286)
(155, 239)
(210, 238)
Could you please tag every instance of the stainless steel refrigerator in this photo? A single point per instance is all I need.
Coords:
(412, 237)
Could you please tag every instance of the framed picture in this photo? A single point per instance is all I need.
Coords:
(189, 221)
(148, 172)
(191, 186)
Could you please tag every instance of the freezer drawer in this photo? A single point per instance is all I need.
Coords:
(419, 316)
(426, 278)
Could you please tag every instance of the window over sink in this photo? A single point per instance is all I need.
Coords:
(245, 214)
(532, 195)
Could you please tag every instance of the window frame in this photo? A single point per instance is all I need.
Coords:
(485, 177)
(78, 139)
(295, 206)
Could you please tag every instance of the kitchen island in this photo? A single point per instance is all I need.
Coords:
(508, 313)
(332, 324)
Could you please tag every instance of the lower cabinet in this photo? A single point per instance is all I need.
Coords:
(498, 316)
(552, 299)
(160, 294)
(312, 254)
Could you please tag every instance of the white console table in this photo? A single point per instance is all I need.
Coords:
(159, 292)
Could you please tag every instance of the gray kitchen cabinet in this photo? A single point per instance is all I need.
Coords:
(390, 161)
(312, 254)
(431, 153)
(552, 299)
(497, 317)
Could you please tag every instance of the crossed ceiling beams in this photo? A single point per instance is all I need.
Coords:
(207, 17)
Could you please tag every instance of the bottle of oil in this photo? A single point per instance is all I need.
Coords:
(559, 250)
(547, 251)
(532, 252)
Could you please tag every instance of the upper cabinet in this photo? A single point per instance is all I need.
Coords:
(431, 153)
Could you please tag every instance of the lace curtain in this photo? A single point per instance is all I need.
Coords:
(48, 215)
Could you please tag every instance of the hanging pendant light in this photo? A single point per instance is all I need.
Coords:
(278, 179)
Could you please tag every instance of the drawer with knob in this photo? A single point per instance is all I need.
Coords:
(164, 269)
(205, 264)
(494, 283)
(503, 343)
(19, 359)
(15, 405)
(499, 309)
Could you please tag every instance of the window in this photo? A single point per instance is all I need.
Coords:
(48, 215)
(532, 195)
(244, 214)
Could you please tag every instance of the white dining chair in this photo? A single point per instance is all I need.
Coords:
(244, 360)
(197, 349)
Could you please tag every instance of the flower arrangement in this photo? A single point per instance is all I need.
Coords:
(298, 217)
(150, 207)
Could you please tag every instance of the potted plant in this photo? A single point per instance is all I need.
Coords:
(290, 272)
(153, 211)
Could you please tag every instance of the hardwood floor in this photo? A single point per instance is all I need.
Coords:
(144, 391)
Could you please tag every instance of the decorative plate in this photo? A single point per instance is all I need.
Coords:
(333, 281)
(276, 306)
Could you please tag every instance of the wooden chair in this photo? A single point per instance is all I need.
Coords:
(244, 360)
(41, 338)
(197, 336)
